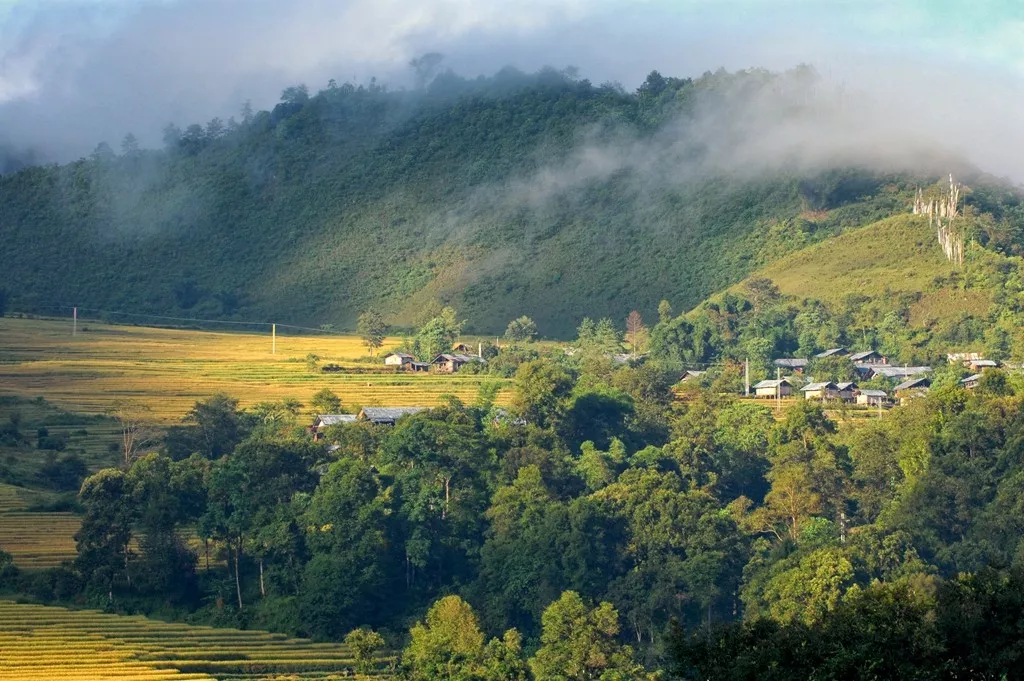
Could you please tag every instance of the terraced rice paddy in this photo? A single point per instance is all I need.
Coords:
(168, 370)
(38, 540)
(50, 644)
(13, 498)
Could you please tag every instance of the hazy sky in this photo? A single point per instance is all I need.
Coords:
(74, 72)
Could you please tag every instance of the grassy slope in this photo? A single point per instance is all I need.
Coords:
(890, 257)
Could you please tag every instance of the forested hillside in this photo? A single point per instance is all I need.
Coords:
(518, 194)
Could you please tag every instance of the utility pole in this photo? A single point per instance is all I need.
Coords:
(778, 389)
(746, 377)
(74, 321)
(273, 339)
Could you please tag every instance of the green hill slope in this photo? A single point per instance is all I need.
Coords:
(886, 286)
(887, 260)
(539, 195)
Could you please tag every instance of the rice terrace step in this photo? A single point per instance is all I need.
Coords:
(43, 642)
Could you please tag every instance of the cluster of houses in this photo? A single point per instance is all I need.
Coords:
(385, 416)
(445, 363)
(912, 381)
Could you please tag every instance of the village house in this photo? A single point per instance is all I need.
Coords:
(691, 376)
(387, 415)
(847, 391)
(404, 362)
(773, 388)
(872, 398)
(980, 365)
(465, 349)
(449, 363)
(868, 357)
(971, 382)
(913, 387)
(324, 421)
(832, 352)
(794, 364)
(826, 390)
(397, 359)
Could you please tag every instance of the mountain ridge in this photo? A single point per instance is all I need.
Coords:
(521, 194)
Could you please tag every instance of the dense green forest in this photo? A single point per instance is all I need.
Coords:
(541, 194)
(597, 524)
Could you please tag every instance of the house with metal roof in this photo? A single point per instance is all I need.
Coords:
(449, 363)
(916, 382)
(387, 415)
(847, 390)
(832, 352)
(824, 390)
(867, 357)
(405, 362)
(324, 421)
(795, 364)
(971, 382)
(691, 375)
(773, 388)
(872, 398)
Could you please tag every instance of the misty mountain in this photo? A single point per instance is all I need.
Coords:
(538, 194)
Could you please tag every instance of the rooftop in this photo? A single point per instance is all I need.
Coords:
(387, 414)
(823, 385)
(771, 383)
(335, 419)
(920, 381)
(874, 393)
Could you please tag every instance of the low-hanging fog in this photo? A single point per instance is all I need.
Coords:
(903, 80)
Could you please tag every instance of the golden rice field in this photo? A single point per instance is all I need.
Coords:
(170, 369)
(38, 540)
(55, 644)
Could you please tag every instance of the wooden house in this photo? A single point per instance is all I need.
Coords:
(825, 390)
(794, 364)
(971, 382)
(980, 365)
(832, 352)
(691, 376)
(773, 388)
(916, 386)
(872, 398)
(324, 421)
(449, 363)
(868, 357)
(847, 391)
(464, 349)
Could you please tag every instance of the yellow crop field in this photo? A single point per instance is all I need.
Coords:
(168, 370)
(53, 644)
(38, 540)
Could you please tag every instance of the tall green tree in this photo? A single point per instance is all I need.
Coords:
(521, 330)
(580, 644)
(372, 329)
